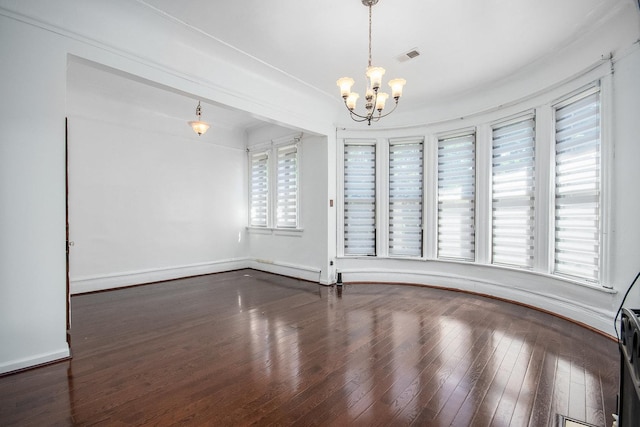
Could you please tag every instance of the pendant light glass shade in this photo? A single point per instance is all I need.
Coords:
(199, 126)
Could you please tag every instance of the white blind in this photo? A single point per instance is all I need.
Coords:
(456, 197)
(577, 188)
(287, 192)
(513, 177)
(405, 198)
(359, 199)
(259, 189)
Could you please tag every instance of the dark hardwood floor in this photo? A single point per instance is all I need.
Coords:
(248, 347)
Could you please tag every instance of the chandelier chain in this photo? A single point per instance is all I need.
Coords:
(370, 34)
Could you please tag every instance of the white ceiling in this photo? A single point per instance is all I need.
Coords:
(462, 43)
(172, 106)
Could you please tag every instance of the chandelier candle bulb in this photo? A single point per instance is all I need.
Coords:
(345, 84)
(381, 100)
(351, 100)
(375, 76)
(396, 86)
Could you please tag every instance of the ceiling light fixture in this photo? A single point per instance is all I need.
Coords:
(199, 126)
(375, 100)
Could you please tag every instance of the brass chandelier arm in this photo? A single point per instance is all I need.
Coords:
(371, 117)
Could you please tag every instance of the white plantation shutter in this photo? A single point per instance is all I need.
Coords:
(513, 175)
(287, 182)
(456, 197)
(405, 198)
(359, 199)
(577, 188)
(259, 189)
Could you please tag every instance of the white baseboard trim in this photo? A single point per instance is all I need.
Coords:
(594, 317)
(303, 272)
(79, 285)
(35, 360)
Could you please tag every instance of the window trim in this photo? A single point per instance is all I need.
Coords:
(501, 123)
(399, 141)
(459, 133)
(251, 156)
(271, 149)
(342, 226)
(572, 97)
(276, 152)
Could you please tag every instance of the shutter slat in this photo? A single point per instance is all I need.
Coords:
(577, 189)
(287, 187)
(259, 190)
(405, 198)
(456, 197)
(513, 188)
(359, 199)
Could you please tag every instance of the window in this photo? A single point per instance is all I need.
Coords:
(273, 186)
(577, 187)
(259, 197)
(287, 198)
(405, 198)
(512, 197)
(456, 197)
(524, 191)
(359, 199)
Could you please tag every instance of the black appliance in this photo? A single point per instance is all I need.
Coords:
(629, 345)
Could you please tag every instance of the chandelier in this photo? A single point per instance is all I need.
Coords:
(199, 126)
(375, 100)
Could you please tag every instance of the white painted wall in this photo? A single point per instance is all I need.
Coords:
(148, 198)
(625, 248)
(32, 197)
(300, 254)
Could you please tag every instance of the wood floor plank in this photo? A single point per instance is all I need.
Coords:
(480, 379)
(253, 348)
(522, 410)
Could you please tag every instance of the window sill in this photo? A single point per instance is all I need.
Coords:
(294, 232)
(472, 264)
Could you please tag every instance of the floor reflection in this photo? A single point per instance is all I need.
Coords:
(265, 350)
(274, 343)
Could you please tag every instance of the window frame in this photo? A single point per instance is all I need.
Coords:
(271, 149)
(295, 146)
(472, 131)
(406, 141)
(503, 123)
(267, 199)
(342, 244)
(576, 96)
